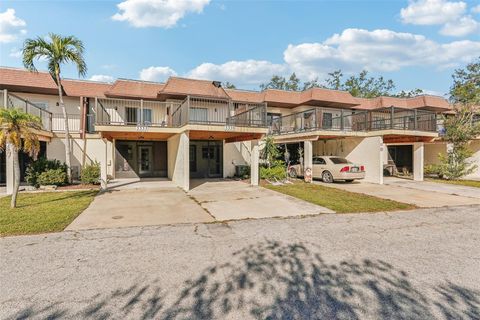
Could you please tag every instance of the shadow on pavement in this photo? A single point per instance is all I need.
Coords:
(275, 280)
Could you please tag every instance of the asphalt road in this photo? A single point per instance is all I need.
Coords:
(410, 265)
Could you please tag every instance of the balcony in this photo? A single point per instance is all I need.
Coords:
(11, 101)
(191, 111)
(392, 118)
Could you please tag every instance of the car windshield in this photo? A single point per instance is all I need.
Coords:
(339, 160)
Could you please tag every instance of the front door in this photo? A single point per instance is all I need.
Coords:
(215, 161)
(145, 160)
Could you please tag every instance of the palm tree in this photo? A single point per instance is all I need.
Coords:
(17, 132)
(57, 50)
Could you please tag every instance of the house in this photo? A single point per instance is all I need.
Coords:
(186, 128)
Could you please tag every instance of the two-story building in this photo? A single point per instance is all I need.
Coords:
(185, 129)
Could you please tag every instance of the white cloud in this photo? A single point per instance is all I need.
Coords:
(452, 15)
(241, 73)
(377, 50)
(158, 74)
(11, 27)
(102, 78)
(15, 53)
(157, 13)
(430, 12)
(462, 27)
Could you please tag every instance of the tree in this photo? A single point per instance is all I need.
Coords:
(461, 128)
(270, 151)
(17, 132)
(281, 83)
(360, 85)
(57, 50)
(229, 85)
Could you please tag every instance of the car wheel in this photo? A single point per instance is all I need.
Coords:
(327, 177)
(349, 180)
(292, 173)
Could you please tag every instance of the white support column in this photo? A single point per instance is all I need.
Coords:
(9, 170)
(418, 160)
(254, 164)
(185, 149)
(103, 167)
(308, 156)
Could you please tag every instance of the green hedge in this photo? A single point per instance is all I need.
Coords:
(91, 174)
(56, 177)
(278, 172)
(36, 168)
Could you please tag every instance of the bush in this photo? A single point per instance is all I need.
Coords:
(39, 166)
(91, 174)
(277, 172)
(433, 170)
(56, 177)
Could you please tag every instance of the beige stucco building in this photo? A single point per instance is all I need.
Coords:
(184, 128)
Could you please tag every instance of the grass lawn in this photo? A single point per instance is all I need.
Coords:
(467, 183)
(42, 212)
(340, 201)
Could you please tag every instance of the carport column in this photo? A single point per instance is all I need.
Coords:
(254, 163)
(308, 156)
(9, 170)
(103, 166)
(418, 160)
(184, 146)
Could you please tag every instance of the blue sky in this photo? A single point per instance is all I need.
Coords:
(416, 43)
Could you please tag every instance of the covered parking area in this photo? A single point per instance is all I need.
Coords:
(371, 149)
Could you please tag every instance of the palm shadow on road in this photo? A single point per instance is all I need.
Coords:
(275, 280)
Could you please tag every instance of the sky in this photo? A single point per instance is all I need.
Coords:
(417, 43)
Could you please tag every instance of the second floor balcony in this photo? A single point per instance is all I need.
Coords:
(318, 119)
(172, 114)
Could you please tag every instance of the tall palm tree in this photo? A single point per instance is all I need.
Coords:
(17, 132)
(57, 50)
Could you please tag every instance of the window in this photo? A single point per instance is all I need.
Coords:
(339, 160)
(41, 104)
(327, 121)
(319, 161)
(271, 117)
(198, 114)
(193, 158)
(147, 115)
(131, 115)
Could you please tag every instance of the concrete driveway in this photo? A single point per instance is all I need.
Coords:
(421, 194)
(134, 202)
(131, 202)
(233, 200)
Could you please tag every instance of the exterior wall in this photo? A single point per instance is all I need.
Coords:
(94, 147)
(71, 103)
(178, 160)
(235, 153)
(433, 149)
(366, 151)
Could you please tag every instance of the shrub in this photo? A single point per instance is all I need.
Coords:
(39, 166)
(242, 171)
(433, 170)
(56, 177)
(91, 174)
(277, 172)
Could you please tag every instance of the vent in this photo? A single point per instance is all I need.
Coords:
(217, 84)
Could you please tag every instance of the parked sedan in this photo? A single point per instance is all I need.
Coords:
(330, 169)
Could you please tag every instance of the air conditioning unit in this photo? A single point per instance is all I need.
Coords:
(75, 172)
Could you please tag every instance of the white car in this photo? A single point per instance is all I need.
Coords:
(330, 169)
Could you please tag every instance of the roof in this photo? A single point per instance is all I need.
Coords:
(176, 86)
(427, 102)
(21, 80)
(134, 89)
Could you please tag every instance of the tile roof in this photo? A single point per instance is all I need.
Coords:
(183, 87)
(41, 82)
(134, 89)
